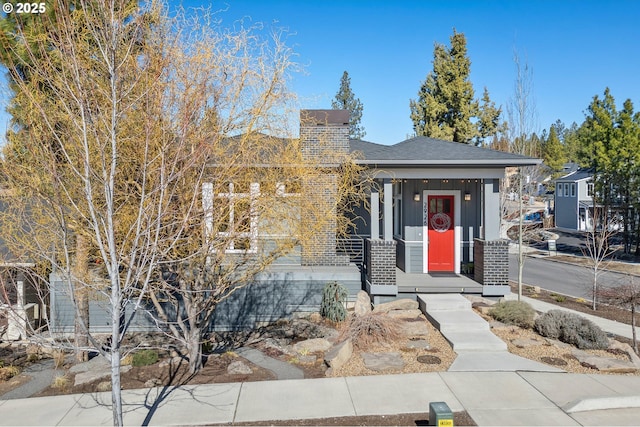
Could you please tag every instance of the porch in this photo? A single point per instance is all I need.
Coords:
(416, 283)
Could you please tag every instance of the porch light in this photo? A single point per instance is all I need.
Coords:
(467, 196)
(416, 197)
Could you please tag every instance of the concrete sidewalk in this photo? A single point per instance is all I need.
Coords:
(490, 398)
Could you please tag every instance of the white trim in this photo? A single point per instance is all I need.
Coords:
(457, 230)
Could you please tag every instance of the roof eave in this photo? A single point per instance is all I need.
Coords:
(461, 163)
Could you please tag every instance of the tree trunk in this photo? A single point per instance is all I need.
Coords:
(80, 277)
(595, 286)
(114, 353)
(194, 348)
(634, 339)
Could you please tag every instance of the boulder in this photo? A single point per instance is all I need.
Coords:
(415, 329)
(312, 345)
(399, 304)
(337, 356)
(380, 362)
(238, 367)
(97, 374)
(604, 364)
(97, 363)
(418, 344)
(363, 304)
(406, 314)
(617, 345)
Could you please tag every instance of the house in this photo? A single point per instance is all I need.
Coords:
(573, 200)
(433, 214)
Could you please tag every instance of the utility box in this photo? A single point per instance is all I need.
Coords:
(440, 415)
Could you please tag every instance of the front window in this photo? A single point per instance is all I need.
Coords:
(397, 209)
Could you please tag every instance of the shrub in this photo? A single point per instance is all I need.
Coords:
(558, 298)
(572, 329)
(60, 382)
(373, 328)
(8, 372)
(334, 297)
(517, 313)
(144, 358)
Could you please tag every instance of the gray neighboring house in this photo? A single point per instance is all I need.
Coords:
(573, 200)
(433, 216)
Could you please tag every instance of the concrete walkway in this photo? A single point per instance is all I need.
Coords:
(478, 349)
(490, 398)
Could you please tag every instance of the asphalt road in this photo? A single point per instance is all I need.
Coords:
(559, 277)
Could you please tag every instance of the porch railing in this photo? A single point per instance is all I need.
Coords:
(353, 246)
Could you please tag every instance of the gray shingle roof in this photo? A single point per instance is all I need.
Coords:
(429, 151)
(578, 175)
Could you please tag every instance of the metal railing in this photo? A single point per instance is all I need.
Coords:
(353, 246)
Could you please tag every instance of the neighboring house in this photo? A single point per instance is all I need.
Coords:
(433, 215)
(573, 204)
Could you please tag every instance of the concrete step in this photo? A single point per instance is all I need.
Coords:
(457, 321)
(440, 302)
(475, 341)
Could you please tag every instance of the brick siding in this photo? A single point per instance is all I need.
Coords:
(491, 261)
(381, 261)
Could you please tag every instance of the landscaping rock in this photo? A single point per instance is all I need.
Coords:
(415, 329)
(98, 363)
(154, 382)
(239, 368)
(380, 362)
(617, 345)
(603, 364)
(337, 356)
(363, 304)
(406, 314)
(526, 342)
(429, 359)
(418, 344)
(312, 345)
(307, 359)
(96, 374)
(399, 304)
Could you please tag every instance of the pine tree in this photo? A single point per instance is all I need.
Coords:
(446, 107)
(553, 152)
(346, 100)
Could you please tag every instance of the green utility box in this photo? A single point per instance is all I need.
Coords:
(440, 415)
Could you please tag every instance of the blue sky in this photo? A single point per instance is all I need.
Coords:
(575, 48)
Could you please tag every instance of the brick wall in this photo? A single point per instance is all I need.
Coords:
(325, 139)
(381, 261)
(491, 261)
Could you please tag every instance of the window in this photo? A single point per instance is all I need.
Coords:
(573, 189)
(566, 189)
(590, 189)
(559, 189)
(231, 215)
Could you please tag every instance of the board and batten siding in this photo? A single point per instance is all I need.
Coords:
(271, 297)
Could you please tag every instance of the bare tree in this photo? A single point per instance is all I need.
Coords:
(521, 117)
(597, 247)
(627, 296)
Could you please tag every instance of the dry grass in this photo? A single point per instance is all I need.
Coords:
(58, 358)
(373, 329)
(8, 372)
(61, 382)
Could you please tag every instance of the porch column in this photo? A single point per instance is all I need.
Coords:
(491, 209)
(388, 210)
(375, 215)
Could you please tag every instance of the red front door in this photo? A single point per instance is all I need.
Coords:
(441, 233)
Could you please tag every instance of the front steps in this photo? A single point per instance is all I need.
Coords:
(459, 324)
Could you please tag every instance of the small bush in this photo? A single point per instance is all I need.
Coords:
(144, 358)
(558, 298)
(334, 297)
(517, 313)
(572, 329)
(8, 372)
(373, 328)
(58, 359)
(60, 382)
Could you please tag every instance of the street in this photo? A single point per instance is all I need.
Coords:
(560, 277)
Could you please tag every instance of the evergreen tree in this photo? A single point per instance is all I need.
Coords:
(553, 152)
(346, 100)
(446, 107)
